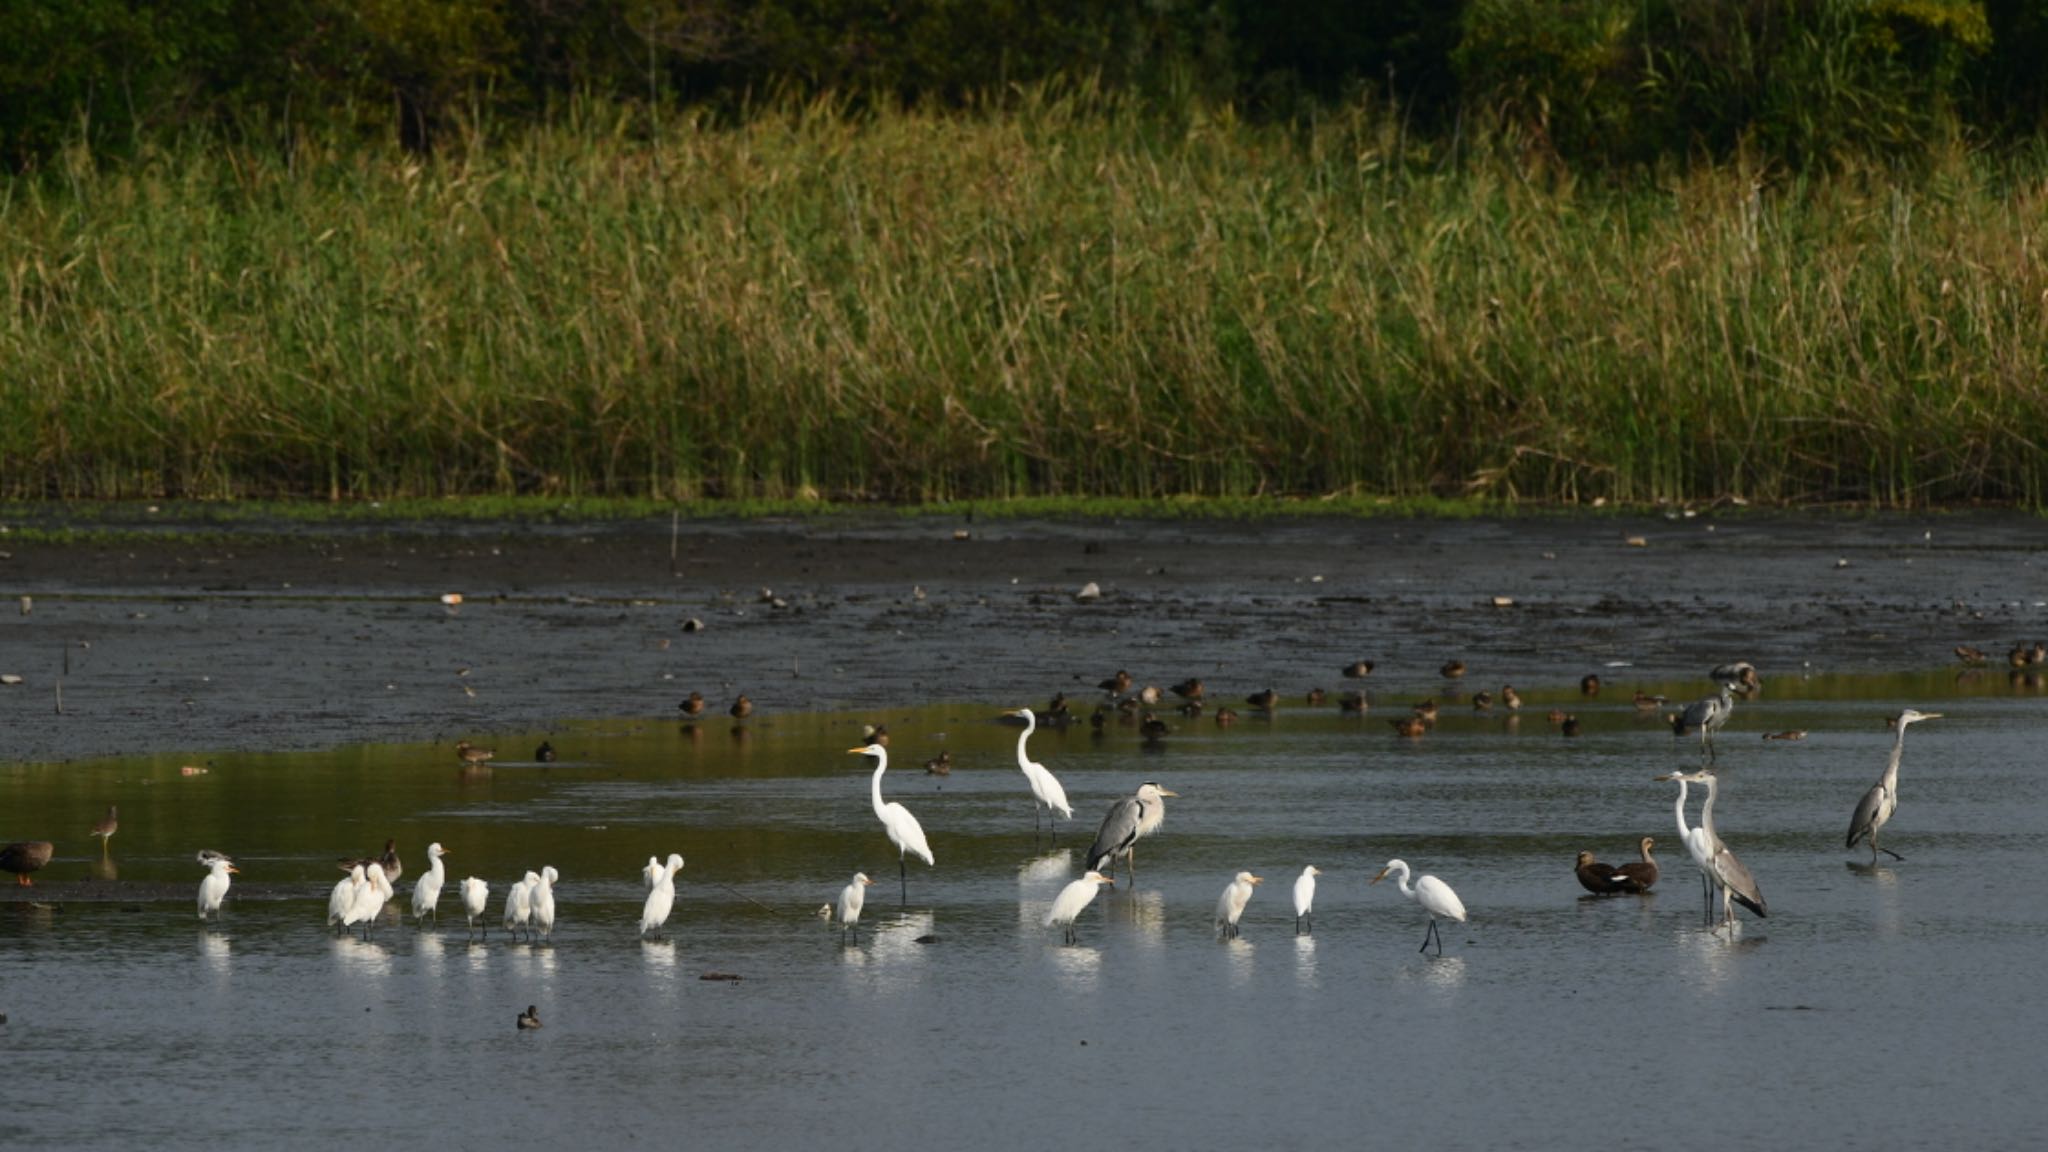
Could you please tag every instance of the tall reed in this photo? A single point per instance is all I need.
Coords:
(1061, 298)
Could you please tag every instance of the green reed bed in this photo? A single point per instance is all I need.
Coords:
(1063, 299)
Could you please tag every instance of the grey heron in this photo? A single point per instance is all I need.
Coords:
(1875, 810)
(851, 899)
(1706, 717)
(214, 888)
(661, 899)
(1128, 821)
(426, 894)
(1696, 844)
(1434, 895)
(1742, 672)
(1305, 899)
(1730, 875)
(1230, 905)
(903, 829)
(1074, 899)
(1045, 787)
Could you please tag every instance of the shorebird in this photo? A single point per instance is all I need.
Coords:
(471, 754)
(106, 828)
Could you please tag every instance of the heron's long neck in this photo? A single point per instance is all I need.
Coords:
(1891, 769)
(1030, 726)
(1707, 812)
(435, 870)
(875, 785)
(1402, 879)
(1684, 833)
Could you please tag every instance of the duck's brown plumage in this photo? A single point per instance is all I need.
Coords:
(1225, 717)
(1117, 684)
(1357, 670)
(1452, 669)
(1409, 725)
(1425, 711)
(1316, 696)
(1153, 728)
(108, 825)
(1589, 684)
(1482, 701)
(1969, 655)
(742, 707)
(1595, 877)
(1510, 697)
(471, 754)
(1264, 701)
(392, 867)
(1638, 875)
(25, 856)
(1352, 702)
(940, 765)
(694, 706)
(1189, 689)
(1570, 727)
(1647, 703)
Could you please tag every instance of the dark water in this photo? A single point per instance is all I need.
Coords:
(1894, 1007)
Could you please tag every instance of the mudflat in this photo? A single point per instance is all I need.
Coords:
(197, 636)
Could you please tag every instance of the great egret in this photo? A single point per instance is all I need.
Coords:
(1696, 843)
(1075, 898)
(105, 829)
(369, 900)
(1595, 877)
(903, 828)
(344, 895)
(542, 897)
(1128, 821)
(661, 898)
(1638, 876)
(1230, 905)
(214, 888)
(426, 895)
(851, 898)
(1305, 898)
(1706, 717)
(1434, 895)
(1730, 875)
(519, 904)
(475, 894)
(1045, 787)
(1875, 810)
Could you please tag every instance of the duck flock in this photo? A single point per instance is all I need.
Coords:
(527, 908)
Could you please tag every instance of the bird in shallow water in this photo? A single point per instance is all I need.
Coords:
(903, 829)
(1570, 727)
(529, 1019)
(940, 765)
(1152, 728)
(1595, 877)
(1706, 717)
(1434, 895)
(1639, 875)
(1191, 709)
(426, 894)
(1482, 701)
(544, 754)
(106, 827)
(1352, 702)
(1230, 905)
(1727, 874)
(875, 734)
(1225, 717)
(471, 754)
(25, 856)
(741, 708)
(1116, 685)
(475, 894)
(389, 860)
(1305, 899)
(1315, 697)
(1555, 715)
(1589, 684)
(1742, 673)
(1128, 820)
(1425, 711)
(1357, 670)
(1970, 655)
(214, 888)
(1645, 702)
(1150, 695)
(1189, 689)
(1074, 899)
(1510, 697)
(1452, 670)
(694, 706)
(1875, 810)
(1057, 712)
(851, 899)
(1264, 701)
(1788, 734)
(1411, 726)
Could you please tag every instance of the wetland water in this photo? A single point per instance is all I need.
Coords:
(1894, 1007)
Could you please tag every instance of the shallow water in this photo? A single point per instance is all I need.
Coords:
(1894, 1006)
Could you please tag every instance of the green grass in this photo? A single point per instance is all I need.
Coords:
(1061, 302)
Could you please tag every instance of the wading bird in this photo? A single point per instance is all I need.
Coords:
(542, 898)
(106, 827)
(369, 900)
(1073, 899)
(851, 899)
(1730, 876)
(1129, 820)
(903, 829)
(662, 898)
(471, 754)
(519, 905)
(214, 888)
(1434, 895)
(426, 895)
(1706, 717)
(1230, 905)
(1045, 787)
(1305, 899)
(1696, 844)
(651, 875)
(475, 894)
(1875, 810)
(344, 895)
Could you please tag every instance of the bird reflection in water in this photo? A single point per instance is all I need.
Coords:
(1239, 953)
(1305, 961)
(1144, 912)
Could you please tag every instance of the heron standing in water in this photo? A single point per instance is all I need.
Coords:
(1706, 717)
(1875, 810)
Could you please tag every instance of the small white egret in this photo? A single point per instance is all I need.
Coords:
(369, 901)
(661, 898)
(426, 895)
(343, 896)
(519, 904)
(1045, 787)
(1434, 895)
(1074, 899)
(851, 898)
(1129, 820)
(1230, 905)
(903, 828)
(1305, 899)
(651, 874)
(214, 888)
(475, 894)
(542, 897)
(1875, 810)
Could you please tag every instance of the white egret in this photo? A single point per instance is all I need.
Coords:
(851, 898)
(369, 901)
(519, 904)
(903, 828)
(343, 896)
(542, 897)
(1045, 787)
(661, 898)
(1129, 820)
(1729, 873)
(214, 888)
(426, 895)
(1696, 843)
(1230, 905)
(1074, 899)
(1434, 895)
(475, 894)
(1875, 810)
(1305, 898)
(651, 874)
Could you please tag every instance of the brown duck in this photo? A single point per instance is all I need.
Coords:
(1510, 697)
(1357, 670)
(1589, 684)
(1225, 717)
(1482, 701)
(1264, 701)
(25, 856)
(741, 708)
(940, 765)
(1647, 703)
(1638, 876)
(1969, 655)
(694, 706)
(392, 868)
(1316, 696)
(1570, 727)
(1118, 684)
(1595, 877)
(1352, 702)
(1409, 726)
(1452, 670)
(471, 754)
(106, 827)
(1189, 689)
(1425, 711)
(1153, 728)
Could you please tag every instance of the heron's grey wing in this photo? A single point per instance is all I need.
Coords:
(1119, 829)
(1860, 825)
(1695, 715)
(1739, 882)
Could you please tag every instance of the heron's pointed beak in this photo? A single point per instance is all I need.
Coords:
(1164, 792)
(234, 869)
(1378, 878)
(856, 751)
(1258, 879)
(1930, 716)
(865, 882)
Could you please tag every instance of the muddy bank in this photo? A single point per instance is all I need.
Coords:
(274, 636)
